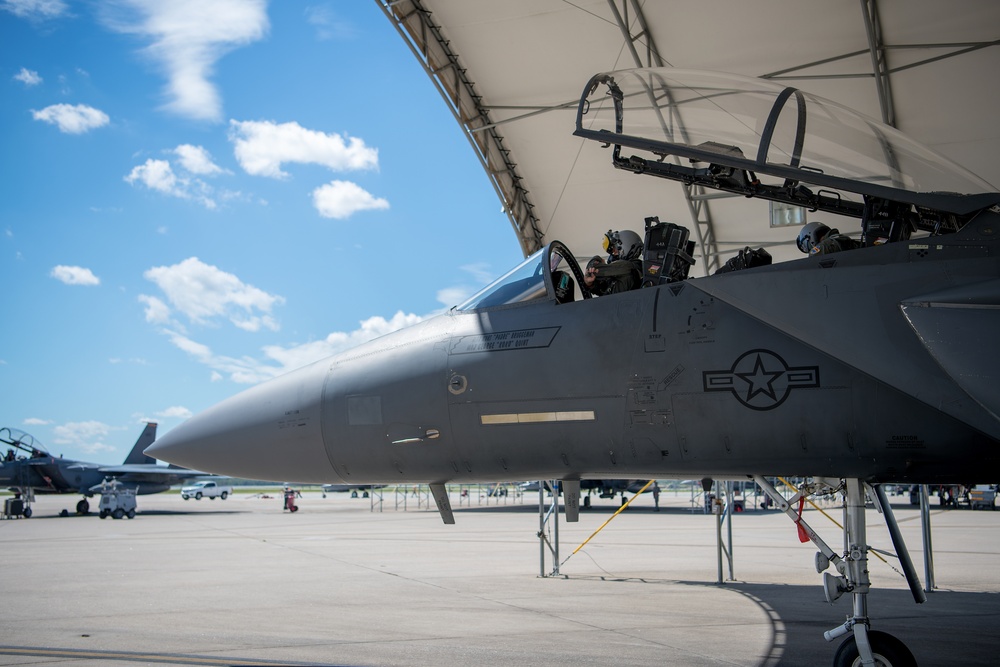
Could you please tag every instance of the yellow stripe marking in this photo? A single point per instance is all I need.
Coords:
(538, 417)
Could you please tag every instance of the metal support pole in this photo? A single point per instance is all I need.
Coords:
(902, 553)
(543, 518)
(717, 509)
(925, 525)
(718, 541)
(555, 527)
(731, 508)
(541, 528)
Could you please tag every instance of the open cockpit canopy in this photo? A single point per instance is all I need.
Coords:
(542, 275)
(21, 444)
(762, 139)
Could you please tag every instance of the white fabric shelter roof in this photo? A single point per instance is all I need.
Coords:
(512, 71)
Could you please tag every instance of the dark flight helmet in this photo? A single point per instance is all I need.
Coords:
(810, 235)
(624, 244)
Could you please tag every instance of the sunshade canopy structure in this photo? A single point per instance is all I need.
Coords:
(513, 72)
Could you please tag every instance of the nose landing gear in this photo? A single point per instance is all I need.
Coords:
(862, 647)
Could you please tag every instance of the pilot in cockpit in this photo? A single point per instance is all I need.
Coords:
(622, 271)
(815, 238)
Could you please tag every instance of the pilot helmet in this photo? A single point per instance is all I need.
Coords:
(810, 235)
(624, 244)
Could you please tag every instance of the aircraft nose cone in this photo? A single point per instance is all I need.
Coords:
(270, 432)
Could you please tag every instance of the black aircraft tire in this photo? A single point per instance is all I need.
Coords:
(26, 513)
(83, 507)
(888, 652)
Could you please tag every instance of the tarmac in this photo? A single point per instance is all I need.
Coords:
(242, 582)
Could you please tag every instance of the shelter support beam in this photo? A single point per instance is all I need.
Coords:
(441, 63)
(876, 47)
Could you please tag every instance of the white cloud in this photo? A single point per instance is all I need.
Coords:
(327, 25)
(72, 118)
(28, 77)
(75, 275)
(157, 312)
(279, 360)
(202, 352)
(88, 436)
(35, 10)
(452, 296)
(245, 370)
(158, 175)
(481, 272)
(341, 199)
(197, 160)
(187, 38)
(298, 356)
(202, 292)
(35, 421)
(138, 361)
(262, 146)
(456, 294)
(174, 411)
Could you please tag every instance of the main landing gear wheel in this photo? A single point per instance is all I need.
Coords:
(886, 649)
(83, 507)
(877, 648)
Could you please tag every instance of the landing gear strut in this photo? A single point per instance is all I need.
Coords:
(862, 647)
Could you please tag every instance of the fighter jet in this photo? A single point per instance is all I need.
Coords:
(852, 370)
(28, 468)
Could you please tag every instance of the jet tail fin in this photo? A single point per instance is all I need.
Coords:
(145, 440)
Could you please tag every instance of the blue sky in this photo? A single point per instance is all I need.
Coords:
(198, 196)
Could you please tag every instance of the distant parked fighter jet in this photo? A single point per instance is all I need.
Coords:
(28, 468)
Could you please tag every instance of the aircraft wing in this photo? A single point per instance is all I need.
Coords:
(151, 471)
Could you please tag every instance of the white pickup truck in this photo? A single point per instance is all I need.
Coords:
(206, 489)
